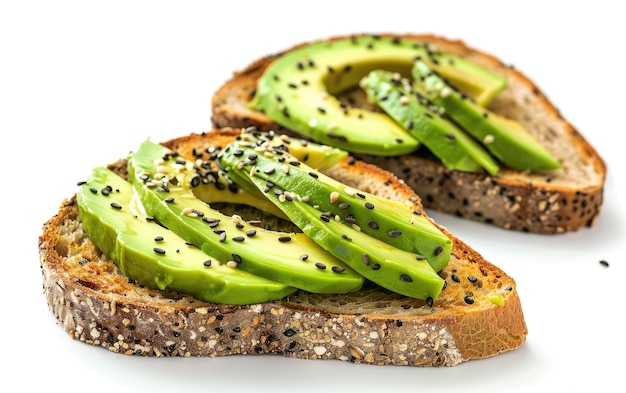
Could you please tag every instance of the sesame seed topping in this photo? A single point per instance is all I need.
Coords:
(116, 205)
(405, 278)
(395, 233)
(158, 239)
(338, 269)
(366, 259)
(251, 233)
(231, 264)
(334, 196)
(284, 239)
(207, 263)
(320, 265)
(438, 250)
(159, 250)
(376, 266)
(372, 224)
(239, 238)
(369, 205)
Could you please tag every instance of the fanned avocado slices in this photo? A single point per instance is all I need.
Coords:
(154, 256)
(453, 146)
(505, 139)
(367, 232)
(299, 90)
(165, 184)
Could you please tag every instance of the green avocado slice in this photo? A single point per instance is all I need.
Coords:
(506, 139)
(456, 149)
(165, 185)
(156, 257)
(298, 90)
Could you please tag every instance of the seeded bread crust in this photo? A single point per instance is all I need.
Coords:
(478, 314)
(553, 202)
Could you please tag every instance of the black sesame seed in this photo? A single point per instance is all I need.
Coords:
(366, 259)
(284, 239)
(430, 301)
(406, 278)
(346, 237)
(304, 257)
(472, 279)
(369, 205)
(159, 250)
(289, 332)
(158, 239)
(468, 299)
(372, 224)
(376, 266)
(455, 278)
(116, 205)
(604, 263)
(438, 250)
(236, 258)
(239, 238)
(420, 257)
(395, 233)
(344, 205)
(169, 200)
(207, 263)
(93, 190)
(313, 174)
(338, 269)
(251, 233)
(320, 265)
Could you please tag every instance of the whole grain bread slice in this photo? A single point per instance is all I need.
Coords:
(478, 314)
(558, 201)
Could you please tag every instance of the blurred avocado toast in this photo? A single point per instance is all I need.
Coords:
(238, 241)
(472, 136)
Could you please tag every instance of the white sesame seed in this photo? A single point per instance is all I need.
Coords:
(231, 264)
(488, 139)
(334, 196)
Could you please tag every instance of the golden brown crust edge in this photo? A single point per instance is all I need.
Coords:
(548, 203)
(97, 305)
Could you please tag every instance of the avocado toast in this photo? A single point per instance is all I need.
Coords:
(559, 190)
(478, 313)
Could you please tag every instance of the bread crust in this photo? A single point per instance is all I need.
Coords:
(97, 305)
(552, 202)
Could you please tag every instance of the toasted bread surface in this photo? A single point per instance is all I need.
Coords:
(478, 314)
(551, 202)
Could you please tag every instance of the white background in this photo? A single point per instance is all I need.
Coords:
(83, 82)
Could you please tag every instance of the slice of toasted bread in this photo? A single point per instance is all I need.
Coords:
(478, 314)
(558, 201)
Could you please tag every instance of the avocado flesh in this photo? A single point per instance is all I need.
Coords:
(505, 139)
(393, 222)
(456, 149)
(297, 91)
(126, 236)
(215, 187)
(163, 184)
(306, 200)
